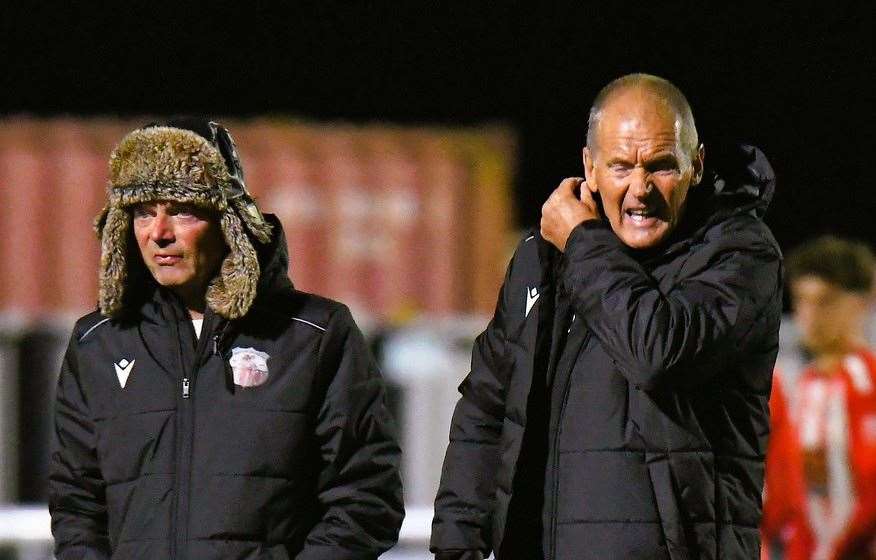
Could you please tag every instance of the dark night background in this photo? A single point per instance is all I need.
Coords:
(795, 82)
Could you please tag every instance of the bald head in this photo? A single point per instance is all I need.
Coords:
(644, 89)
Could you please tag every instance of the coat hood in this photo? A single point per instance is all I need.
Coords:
(741, 179)
(273, 261)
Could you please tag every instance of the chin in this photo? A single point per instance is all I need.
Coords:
(169, 280)
(640, 241)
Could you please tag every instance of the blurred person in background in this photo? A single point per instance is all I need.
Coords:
(617, 405)
(831, 283)
(208, 409)
(785, 525)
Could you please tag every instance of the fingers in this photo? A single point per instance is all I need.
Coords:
(569, 184)
(562, 212)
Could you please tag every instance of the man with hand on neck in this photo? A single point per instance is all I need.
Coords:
(617, 405)
(208, 409)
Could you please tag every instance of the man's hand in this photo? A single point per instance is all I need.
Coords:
(563, 211)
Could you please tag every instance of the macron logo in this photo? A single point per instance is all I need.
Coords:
(531, 297)
(123, 370)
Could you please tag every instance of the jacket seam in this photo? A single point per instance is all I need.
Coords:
(667, 452)
(245, 475)
(137, 478)
(306, 322)
(653, 522)
(265, 309)
(88, 332)
(139, 413)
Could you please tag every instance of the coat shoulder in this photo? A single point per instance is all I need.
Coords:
(525, 266)
(297, 306)
(744, 231)
(90, 324)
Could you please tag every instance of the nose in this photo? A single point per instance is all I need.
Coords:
(162, 229)
(640, 183)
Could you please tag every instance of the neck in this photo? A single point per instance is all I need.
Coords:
(829, 360)
(195, 301)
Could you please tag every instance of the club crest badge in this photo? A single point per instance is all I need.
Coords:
(250, 367)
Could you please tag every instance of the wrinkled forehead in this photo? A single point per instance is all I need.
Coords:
(643, 120)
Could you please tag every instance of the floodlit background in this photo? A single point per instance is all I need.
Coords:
(404, 146)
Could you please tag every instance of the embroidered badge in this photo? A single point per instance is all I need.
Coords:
(250, 367)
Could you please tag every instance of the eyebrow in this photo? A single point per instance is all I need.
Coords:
(662, 159)
(615, 160)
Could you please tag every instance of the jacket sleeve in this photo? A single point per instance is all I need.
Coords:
(466, 495)
(691, 328)
(77, 500)
(359, 486)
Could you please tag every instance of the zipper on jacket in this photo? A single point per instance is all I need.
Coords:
(555, 459)
(185, 429)
(175, 547)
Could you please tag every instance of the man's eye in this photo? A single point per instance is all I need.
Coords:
(664, 167)
(141, 213)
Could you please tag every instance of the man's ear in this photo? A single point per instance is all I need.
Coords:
(697, 164)
(589, 169)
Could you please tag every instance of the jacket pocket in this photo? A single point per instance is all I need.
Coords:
(671, 521)
(684, 490)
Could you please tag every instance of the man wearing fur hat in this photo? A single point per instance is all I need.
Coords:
(208, 409)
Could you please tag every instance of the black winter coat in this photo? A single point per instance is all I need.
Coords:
(657, 438)
(182, 463)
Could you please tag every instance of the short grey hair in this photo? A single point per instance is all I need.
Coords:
(664, 89)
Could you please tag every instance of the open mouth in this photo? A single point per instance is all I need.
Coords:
(642, 216)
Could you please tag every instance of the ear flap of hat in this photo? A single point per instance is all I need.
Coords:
(253, 218)
(231, 293)
(113, 225)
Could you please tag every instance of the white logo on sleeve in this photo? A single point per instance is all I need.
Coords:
(531, 297)
(123, 370)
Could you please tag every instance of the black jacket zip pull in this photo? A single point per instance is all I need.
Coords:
(185, 387)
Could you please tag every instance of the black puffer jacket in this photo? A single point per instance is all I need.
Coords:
(182, 463)
(652, 441)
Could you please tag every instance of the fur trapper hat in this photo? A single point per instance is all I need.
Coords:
(194, 162)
